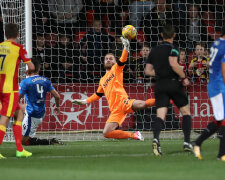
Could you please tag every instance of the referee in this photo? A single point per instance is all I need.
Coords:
(163, 64)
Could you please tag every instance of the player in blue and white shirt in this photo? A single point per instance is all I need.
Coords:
(216, 92)
(35, 88)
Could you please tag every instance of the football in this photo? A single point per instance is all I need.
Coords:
(129, 32)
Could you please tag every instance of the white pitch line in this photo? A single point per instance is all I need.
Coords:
(97, 156)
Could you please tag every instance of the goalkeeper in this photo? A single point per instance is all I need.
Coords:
(111, 85)
(35, 89)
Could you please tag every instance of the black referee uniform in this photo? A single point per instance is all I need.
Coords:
(167, 84)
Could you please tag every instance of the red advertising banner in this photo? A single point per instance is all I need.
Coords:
(93, 116)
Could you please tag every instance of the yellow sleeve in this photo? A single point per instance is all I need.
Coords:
(96, 96)
(124, 56)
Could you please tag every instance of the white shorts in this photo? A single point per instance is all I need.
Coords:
(30, 125)
(218, 105)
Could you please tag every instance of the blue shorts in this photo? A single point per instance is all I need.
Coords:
(217, 98)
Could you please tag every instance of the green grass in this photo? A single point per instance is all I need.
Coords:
(125, 159)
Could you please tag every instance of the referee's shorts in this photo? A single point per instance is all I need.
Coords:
(166, 89)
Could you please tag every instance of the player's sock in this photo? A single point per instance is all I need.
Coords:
(17, 130)
(208, 131)
(2, 133)
(150, 102)
(186, 127)
(222, 140)
(36, 141)
(157, 127)
(118, 134)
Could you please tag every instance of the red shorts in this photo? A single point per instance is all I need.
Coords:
(119, 114)
(10, 103)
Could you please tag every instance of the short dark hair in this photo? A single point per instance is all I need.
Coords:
(202, 44)
(145, 45)
(37, 65)
(182, 50)
(223, 31)
(11, 30)
(168, 31)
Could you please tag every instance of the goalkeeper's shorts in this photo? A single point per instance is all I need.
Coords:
(119, 114)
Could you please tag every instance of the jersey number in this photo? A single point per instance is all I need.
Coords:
(2, 59)
(40, 90)
(213, 54)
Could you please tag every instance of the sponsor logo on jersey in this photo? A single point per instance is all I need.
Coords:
(108, 80)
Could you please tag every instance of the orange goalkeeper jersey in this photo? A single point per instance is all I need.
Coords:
(10, 56)
(111, 84)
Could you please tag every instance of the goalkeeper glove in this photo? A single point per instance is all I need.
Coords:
(126, 43)
(79, 101)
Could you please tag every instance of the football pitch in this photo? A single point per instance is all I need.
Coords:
(112, 159)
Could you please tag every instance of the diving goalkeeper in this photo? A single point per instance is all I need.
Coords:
(111, 85)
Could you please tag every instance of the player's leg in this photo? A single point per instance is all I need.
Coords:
(139, 104)
(4, 120)
(162, 102)
(113, 122)
(221, 154)
(186, 127)
(17, 130)
(181, 101)
(5, 115)
(212, 127)
(30, 125)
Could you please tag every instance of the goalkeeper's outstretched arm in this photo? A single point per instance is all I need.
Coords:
(94, 97)
(126, 46)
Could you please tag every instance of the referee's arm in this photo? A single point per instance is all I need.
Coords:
(176, 67)
(149, 70)
(173, 60)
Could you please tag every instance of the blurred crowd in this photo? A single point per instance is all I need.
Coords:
(71, 37)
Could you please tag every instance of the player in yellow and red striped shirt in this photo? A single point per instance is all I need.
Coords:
(11, 54)
(111, 85)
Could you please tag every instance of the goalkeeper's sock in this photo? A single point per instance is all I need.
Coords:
(36, 141)
(222, 140)
(157, 127)
(186, 127)
(208, 131)
(118, 134)
(17, 130)
(150, 102)
(2, 133)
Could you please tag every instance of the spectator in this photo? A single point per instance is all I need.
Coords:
(182, 59)
(39, 53)
(122, 10)
(66, 14)
(94, 46)
(51, 63)
(106, 10)
(155, 20)
(198, 68)
(138, 65)
(1, 27)
(138, 10)
(68, 60)
(193, 28)
(41, 20)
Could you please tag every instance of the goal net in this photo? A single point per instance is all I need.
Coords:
(71, 39)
